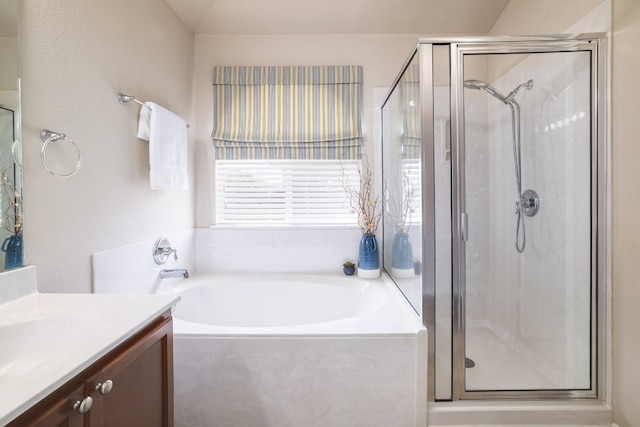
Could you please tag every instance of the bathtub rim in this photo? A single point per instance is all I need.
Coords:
(399, 318)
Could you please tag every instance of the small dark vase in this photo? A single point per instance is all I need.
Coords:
(12, 247)
(349, 271)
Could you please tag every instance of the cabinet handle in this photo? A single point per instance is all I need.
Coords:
(104, 388)
(83, 406)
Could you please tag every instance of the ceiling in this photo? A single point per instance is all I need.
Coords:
(435, 17)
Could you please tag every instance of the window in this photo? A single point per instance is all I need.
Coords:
(286, 140)
(282, 192)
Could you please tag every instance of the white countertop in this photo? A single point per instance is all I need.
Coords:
(47, 339)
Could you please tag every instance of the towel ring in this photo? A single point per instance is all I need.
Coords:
(49, 137)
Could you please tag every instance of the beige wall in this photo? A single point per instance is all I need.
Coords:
(626, 207)
(521, 17)
(9, 63)
(76, 56)
(381, 57)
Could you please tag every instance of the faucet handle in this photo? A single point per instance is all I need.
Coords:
(161, 251)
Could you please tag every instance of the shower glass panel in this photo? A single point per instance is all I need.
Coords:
(527, 190)
(402, 165)
(494, 179)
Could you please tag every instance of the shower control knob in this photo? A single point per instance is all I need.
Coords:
(104, 388)
(530, 202)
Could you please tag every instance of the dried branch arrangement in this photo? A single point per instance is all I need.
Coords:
(362, 201)
(399, 211)
(12, 220)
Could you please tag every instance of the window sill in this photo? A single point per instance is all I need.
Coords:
(284, 227)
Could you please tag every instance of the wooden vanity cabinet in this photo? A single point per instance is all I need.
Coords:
(58, 413)
(130, 386)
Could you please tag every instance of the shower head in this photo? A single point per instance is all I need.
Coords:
(512, 95)
(474, 84)
(479, 84)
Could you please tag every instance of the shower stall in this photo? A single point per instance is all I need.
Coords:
(494, 167)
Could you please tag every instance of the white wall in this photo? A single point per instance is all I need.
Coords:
(76, 56)
(626, 203)
(380, 55)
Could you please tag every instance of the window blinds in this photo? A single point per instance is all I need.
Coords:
(283, 192)
(310, 112)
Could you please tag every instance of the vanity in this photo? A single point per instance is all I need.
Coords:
(84, 359)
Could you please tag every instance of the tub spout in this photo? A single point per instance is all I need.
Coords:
(178, 272)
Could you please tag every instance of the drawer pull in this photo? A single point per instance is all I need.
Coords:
(83, 406)
(105, 387)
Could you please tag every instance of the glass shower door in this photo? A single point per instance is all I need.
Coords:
(527, 162)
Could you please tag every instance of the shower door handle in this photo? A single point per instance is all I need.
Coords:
(464, 227)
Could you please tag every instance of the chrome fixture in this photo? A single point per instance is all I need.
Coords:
(177, 272)
(83, 406)
(49, 137)
(162, 250)
(104, 388)
(528, 202)
(480, 85)
(123, 99)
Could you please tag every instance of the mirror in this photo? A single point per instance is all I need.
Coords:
(10, 138)
(402, 189)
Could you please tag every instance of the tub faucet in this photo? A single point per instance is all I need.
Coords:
(177, 272)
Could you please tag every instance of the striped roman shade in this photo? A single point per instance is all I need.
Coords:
(311, 112)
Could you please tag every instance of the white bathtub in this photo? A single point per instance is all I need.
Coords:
(296, 350)
(289, 304)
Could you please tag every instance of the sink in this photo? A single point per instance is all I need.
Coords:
(25, 341)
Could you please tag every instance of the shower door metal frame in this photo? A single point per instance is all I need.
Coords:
(596, 44)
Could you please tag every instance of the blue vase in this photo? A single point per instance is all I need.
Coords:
(368, 259)
(402, 256)
(12, 247)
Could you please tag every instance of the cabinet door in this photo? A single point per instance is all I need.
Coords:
(58, 413)
(140, 393)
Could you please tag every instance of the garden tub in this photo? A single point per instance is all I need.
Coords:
(296, 349)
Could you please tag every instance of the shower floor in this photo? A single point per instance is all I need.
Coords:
(499, 366)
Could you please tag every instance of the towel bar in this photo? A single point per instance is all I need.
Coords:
(123, 99)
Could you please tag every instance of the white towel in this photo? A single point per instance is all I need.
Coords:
(167, 136)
